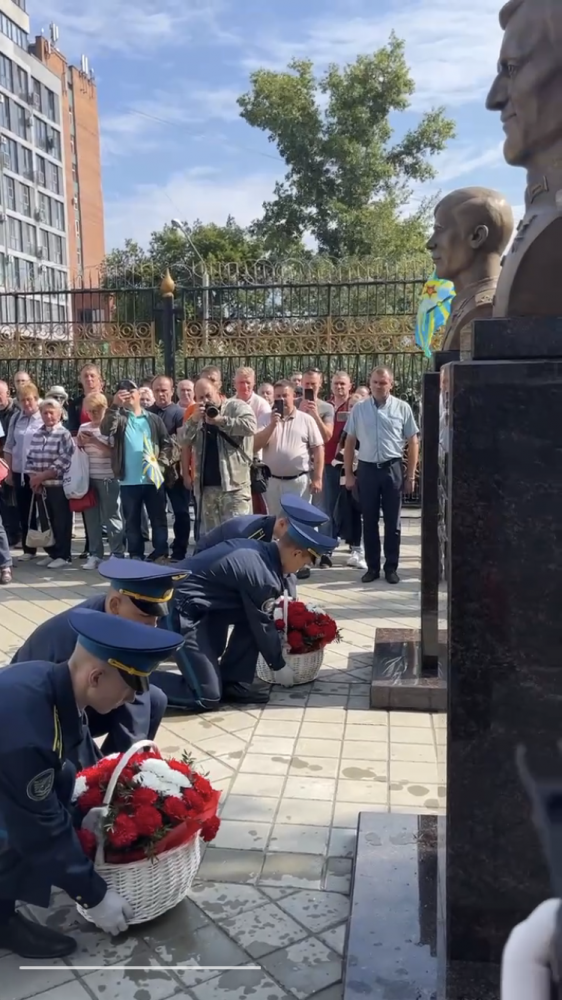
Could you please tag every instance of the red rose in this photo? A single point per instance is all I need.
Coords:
(192, 799)
(88, 842)
(147, 821)
(123, 832)
(210, 829)
(143, 797)
(175, 808)
(91, 799)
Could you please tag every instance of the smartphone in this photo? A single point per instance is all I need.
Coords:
(309, 395)
(279, 407)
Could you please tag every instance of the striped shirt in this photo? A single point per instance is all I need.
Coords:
(50, 448)
(99, 460)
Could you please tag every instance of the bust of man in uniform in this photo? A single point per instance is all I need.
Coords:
(471, 231)
(527, 93)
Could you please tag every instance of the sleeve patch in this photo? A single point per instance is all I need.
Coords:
(41, 786)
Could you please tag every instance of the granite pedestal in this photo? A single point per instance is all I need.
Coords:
(409, 667)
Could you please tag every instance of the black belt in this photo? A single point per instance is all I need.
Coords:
(383, 465)
(287, 479)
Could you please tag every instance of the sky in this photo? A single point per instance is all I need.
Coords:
(168, 75)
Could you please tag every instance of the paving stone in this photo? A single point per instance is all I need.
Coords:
(318, 747)
(220, 744)
(417, 794)
(335, 939)
(317, 911)
(407, 734)
(342, 842)
(229, 865)
(306, 839)
(313, 767)
(263, 785)
(297, 870)
(275, 727)
(272, 745)
(363, 791)
(208, 947)
(240, 986)
(17, 985)
(150, 984)
(262, 931)
(334, 992)
(412, 772)
(338, 875)
(242, 836)
(273, 893)
(225, 899)
(250, 807)
(304, 968)
(322, 731)
(310, 788)
(70, 991)
(303, 813)
(235, 721)
(414, 752)
(363, 770)
(259, 763)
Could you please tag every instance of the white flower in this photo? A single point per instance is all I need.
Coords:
(162, 770)
(112, 756)
(80, 786)
(278, 615)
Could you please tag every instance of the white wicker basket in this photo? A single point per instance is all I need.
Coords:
(151, 886)
(305, 666)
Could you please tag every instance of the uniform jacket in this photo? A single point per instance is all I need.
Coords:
(40, 725)
(257, 526)
(114, 425)
(241, 425)
(238, 580)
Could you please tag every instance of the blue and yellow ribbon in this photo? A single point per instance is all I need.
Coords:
(434, 309)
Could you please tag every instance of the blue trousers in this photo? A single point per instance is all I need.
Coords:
(124, 726)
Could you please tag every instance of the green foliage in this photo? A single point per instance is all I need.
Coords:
(346, 183)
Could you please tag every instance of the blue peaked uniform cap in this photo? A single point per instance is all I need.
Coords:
(149, 585)
(299, 510)
(311, 539)
(134, 650)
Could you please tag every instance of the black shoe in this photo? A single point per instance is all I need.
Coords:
(29, 939)
(392, 577)
(240, 693)
(369, 576)
(326, 562)
(84, 555)
(303, 574)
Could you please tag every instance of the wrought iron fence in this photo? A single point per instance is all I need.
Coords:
(266, 319)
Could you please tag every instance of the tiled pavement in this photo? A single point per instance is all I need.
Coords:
(273, 889)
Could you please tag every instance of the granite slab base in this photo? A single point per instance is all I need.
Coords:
(399, 682)
(395, 945)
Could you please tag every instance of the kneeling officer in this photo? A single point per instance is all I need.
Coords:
(41, 707)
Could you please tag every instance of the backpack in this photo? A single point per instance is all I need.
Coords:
(76, 482)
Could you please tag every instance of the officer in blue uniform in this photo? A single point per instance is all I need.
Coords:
(263, 527)
(234, 583)
(41, 706)
(138, 591)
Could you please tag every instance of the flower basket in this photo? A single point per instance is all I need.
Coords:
(307, 630)
(152, 884)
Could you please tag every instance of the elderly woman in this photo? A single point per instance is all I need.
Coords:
(48, 459)
(106, 514)
(25, 421)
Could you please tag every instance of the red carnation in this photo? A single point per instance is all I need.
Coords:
(192, 799)
(91, 799)
(143, 797)
(175, 808)
(202, 786)
(295, 640)
(210, 829)
(88, 842)
(124, 832)
(178, 765)
(147, 821)
(279, 623)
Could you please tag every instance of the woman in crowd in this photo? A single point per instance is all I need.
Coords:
(25, 421)
(106, 514)
(5, 556)
(59, 393)
(48, 459)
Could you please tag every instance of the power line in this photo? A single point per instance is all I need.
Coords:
(164, 121)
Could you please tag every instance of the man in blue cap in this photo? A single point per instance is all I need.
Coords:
(41, 711)
(138, 591)
(235, 583)
(264, 527)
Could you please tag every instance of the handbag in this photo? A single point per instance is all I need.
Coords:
(38, 537)
(4, 470)
(79, 504)
(259, 471)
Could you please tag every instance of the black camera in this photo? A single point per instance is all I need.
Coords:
(211, 410)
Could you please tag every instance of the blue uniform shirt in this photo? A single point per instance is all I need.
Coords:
(55, 639)
(258, 526)
(239, 579)
(39, 727)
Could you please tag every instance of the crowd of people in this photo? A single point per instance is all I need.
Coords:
(206, 457)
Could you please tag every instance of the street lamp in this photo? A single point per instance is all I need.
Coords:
(182, 228)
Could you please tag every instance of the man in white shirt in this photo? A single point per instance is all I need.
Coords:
(289, 442)
(244, 386)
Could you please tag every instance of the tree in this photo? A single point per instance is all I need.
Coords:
(346, 184)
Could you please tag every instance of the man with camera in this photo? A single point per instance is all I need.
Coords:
(219, 435)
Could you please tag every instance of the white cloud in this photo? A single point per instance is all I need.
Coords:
(452, 49)
(203, 193)
(464, 158)
(127, 26)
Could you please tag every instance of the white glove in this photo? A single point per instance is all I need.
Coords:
(92, 821)
(112, 915)
(527, 956)
(285, 676)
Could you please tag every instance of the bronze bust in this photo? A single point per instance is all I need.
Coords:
(472, 228)
(527, 92)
